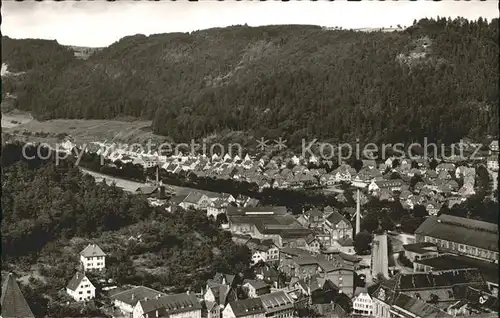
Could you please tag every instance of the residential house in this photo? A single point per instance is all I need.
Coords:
(278, 305)
(314, 218)
(184, 305)
(342, 275)
(13, 303)
(337, 226)
(466, 191)
(391, 185)
(494, 146)
(93, 258)
(126, 300)
(246, 308)
(211, 310)
(344, 173)
(223, 278)
(263, 251)
(316, 289)
(287, 259)
(80, 288)
(383, 167)
(327, 179)
(255, 288)
(267, 273)
(492, 162)
(196, 200)
(405, 306)
(345, 245)
(445, 166)
(385, 195)
(313, 244)
(216, 207)
(370, 164)
(362, 303)
(219, 295)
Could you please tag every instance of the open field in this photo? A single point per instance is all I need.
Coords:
(14, 119)
(22, 125)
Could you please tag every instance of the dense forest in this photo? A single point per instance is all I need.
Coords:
(436, 79)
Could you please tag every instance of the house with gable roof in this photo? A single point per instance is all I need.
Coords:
(93, 258)
(255, 287)
(444, 287)
(127, 299)
(220, 295)
(278, 304)
(80, 288)
(196, 200)
(246, 308)
(337, 226)
(173, 306)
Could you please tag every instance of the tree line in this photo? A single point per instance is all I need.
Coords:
(436, 79)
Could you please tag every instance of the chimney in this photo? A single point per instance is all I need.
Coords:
(158, 296)
(161, 192)
(133, 296)
(358, 211)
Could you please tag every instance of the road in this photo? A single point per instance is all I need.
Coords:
(129, 186)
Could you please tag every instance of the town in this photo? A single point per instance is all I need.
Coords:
(324, 261)
(250, 159)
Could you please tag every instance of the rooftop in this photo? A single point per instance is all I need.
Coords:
(256, 211)
(420, 248)
(247, 307)
(134, 295)
(448, 262)
(92, 250)
(172, 303)
(75, 281)
(461, 230)
(418, 307)
(276, 301)
(13, 303)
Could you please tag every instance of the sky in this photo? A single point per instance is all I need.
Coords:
(98, 23)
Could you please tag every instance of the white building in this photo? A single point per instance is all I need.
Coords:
(128, 299)
(93, 258)
(246, 308)
(492, 163)
(265, 251)
(362, 303)
(80, 288)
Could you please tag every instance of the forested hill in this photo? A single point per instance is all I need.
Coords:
(436, 79)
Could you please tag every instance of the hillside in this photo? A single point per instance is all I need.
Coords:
(436, 79)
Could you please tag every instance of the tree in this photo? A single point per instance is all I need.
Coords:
(362, 242)
(370, 223)
(221, 219)
(419, 211)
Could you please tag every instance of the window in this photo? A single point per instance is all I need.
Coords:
(88, 291)
(80, 292)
